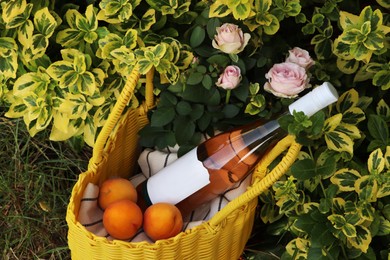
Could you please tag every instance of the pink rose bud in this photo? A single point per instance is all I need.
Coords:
(301, 57)
(286, 80)
(230, 78)
(230, 39)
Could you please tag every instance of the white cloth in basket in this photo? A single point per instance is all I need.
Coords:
(150, 162)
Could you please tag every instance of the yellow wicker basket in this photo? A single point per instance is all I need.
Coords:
(115, 153)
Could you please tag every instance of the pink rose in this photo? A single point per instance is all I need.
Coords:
(230, 39)
(230, 78)
(300, 57)
(286, 80)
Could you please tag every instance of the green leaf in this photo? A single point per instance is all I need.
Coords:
(321, 235)
(326, 168)
(212, 24)
(195, 78)
(304, 169)
(197, 36)
(162, 116)
(207, 81)
(305, 223)
(231, 110)
(183, 108)
(184, 129)
(378, 129)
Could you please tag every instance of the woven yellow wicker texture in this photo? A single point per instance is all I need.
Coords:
(115, 153)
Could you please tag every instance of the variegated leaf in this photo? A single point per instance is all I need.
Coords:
(298, 247)
(60, 120)
(69, 37)
(74, 106)
(347, 100)
(360, 52)
(367, 188)
(21, 19)
(348, 20)
(387, 157)
(58, 69)
(345, 179)
(366, 212)
(147, 20)
(338, 205)
(219, 8)
(362, 239)
(332, 122)
(61, 133)
(353, 116)
(382, 79)
(342, 49)
(11, 9)
(376, 162)
(384, 187)
(89, 131)
(130, 39)
(32, 82)
(384, 227)
(350, 130)
(340, 223)
(383, 109)
(242, 10)
(99, 76)
(185, 59)
(17, 109)
(109, 43)
(90, 15)
(339, 141)
(86, 83)
(347, 66)
(39, 45)
(25, 34)
(44, 22)
(272, 26)
(8, 57)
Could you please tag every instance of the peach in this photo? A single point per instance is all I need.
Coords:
(162, 220)
(122, 219)
(116, 189)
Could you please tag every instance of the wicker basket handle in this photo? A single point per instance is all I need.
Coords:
(262, 181)
(116, 113)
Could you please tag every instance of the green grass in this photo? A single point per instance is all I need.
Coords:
(36, 178)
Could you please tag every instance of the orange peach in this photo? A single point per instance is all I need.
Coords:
(116, 189)
(162, 220)
(122, 219)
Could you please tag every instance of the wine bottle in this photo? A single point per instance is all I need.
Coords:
(220, 162)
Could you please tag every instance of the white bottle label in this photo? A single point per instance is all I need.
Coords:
(178, 180)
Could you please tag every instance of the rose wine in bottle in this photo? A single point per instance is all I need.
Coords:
(220, 162)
